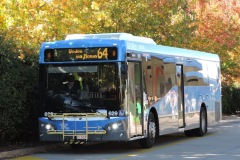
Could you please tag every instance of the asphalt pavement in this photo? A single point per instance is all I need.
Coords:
(60, 146)
(32, 150)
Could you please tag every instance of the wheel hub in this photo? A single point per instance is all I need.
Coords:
(152, 130)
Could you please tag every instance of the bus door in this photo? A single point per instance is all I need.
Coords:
(135, 104)
(180, 84)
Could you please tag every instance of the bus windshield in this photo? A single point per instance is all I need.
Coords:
(82, 89)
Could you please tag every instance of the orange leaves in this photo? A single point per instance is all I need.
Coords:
(21, 56)
(219, 24)
(218, 21)
(208, 25)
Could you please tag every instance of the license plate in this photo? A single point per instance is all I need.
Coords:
(81, 137)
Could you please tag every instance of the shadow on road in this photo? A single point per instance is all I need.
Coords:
(128, 147)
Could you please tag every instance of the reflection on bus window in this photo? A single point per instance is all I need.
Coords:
(81, 88)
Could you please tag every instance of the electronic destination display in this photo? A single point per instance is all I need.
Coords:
(80, 54)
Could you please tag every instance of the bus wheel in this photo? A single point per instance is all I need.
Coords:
(151, 130)
(203, 124)
(189, 133)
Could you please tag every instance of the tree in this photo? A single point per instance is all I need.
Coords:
(17, 80)
(32, 22)
(218, 32)
(205, 25)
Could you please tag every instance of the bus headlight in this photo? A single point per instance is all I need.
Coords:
(49, 127)
(115, 126)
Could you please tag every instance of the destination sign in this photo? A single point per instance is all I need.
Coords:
(80, 54)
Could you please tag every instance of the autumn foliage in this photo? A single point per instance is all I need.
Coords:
(205, 25)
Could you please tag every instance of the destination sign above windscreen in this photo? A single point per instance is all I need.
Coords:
(80, 54)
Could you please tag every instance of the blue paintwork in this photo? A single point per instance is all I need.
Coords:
(81, 125)
(129, 45)
(126, 45)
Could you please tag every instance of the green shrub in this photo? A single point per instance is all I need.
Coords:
(18, 117)
(17, 99)
(230, 99)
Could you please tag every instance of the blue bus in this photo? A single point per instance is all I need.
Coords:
(121, 87)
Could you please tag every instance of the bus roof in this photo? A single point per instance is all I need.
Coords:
(128, 43)
(117, 36)
(166, 51)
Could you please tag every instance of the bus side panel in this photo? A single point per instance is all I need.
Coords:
(202, 89)
(168, 112)
(214, 98)
(217, 95)
(192, 106)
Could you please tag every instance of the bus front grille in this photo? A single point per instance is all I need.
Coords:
(77, 134)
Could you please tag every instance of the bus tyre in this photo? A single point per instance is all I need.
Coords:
(151, 130)
(189, 133)
(203, 124)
